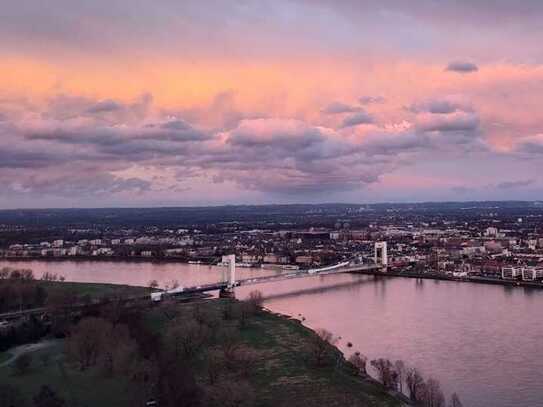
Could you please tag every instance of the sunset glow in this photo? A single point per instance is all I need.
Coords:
(177, 103)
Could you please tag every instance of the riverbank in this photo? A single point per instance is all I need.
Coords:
(39, 294)
(105, 259)
(284, 372)
(278, 366)
(473, 279)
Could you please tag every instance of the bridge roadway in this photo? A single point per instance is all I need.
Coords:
(307, 273)
(335, 269)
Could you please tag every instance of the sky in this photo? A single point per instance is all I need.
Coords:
(166, 102)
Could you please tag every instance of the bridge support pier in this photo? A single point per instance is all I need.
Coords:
(227, 293)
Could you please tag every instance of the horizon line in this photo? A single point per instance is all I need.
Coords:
(273, 204)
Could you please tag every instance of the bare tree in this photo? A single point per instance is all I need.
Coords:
(231, 394)
(245, 360)
(400, 368)
(153, 284)
(256, 299)
(176, 385)
(114, 308)
(415, 384)
(455, 401)
(433, 396)
(48, 276)
(172, 285)
(386, 373)
(214, 365)
(117, 349)
(244, 310)
(185, 338)
(83, 345)
(359, 361)
(229, 340)
(320, 345)
(228, 310)
(28, 274)
(143, 373)
(206, 316)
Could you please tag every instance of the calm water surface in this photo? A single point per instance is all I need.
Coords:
(483, 341)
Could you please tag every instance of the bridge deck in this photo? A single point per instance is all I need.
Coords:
(220, 285)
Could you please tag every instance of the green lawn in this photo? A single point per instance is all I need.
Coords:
(4, 356)
(94, 290)
(284, 373)
(81, 388)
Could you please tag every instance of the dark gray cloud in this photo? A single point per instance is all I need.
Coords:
(83, 154)
(530, 146)
(454, 12)
(395, 144)
(106, 136)
(14, 158)
(80, 182)
(339, 108)
(368, 100)
(175, 125)
(357, 119)
(462, 190)
(439, 106)
(515, 184)
(105, 106)
(65, 106)
(285, 156)
(290, 156)
(461, 67)
(464, 123)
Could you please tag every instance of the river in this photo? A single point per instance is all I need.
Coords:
(483, 341)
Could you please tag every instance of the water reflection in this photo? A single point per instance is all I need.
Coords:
(348, 286)
(483, 341)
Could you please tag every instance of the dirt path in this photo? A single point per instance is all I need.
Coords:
(21, 350)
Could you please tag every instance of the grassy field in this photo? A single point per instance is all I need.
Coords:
(4, 356)
(81, 389)
(94, 290)
(57, 289)
(284, 373)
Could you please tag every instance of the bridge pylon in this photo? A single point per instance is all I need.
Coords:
(381, 254)
(228, 291)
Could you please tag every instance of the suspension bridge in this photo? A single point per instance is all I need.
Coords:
(229, 282)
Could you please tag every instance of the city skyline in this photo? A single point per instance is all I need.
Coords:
(129, 103)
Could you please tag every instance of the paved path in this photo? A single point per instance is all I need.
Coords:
(21, 350)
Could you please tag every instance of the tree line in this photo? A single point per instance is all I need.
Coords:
(19, 290)
(396, 376)
(197, 359)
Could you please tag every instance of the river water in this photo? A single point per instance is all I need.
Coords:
(483, 341)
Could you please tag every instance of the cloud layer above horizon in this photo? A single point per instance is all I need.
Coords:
(124, 103)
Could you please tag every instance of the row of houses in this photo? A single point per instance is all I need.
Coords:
(522, 273)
